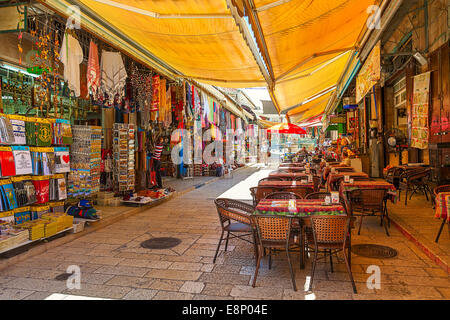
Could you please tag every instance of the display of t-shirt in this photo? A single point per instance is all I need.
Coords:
(71, 55)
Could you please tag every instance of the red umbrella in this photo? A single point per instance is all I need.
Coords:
(286, 128)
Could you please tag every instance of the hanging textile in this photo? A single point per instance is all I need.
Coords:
(233, 121)
(206, 109)
(71, 55)
(168, 111)
(213, 131)
(211, 110)
(114, 75)
(155, 97)
(419, 126)
(162, 99)
(93, 69)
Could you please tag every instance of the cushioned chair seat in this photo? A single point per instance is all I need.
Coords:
(238, 227)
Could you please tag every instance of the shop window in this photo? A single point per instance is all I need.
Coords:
(400, 114)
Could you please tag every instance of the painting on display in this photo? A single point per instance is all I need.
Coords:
(419, 112)
(369, 74)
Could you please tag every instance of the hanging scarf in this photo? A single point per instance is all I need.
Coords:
(93, 68)
(162, 99)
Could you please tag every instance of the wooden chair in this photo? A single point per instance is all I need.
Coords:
(299, 190)
(339, 169)
(283, 196)
(274, 233)
(317, 183)
(271, 179)
(414, 180)
(261, 192)
(438, 189)
(235, 220)
(369, 202)
(330, 235)
(318, 195)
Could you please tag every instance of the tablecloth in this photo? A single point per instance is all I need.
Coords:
(290, 175)
(378, 184)
(442, 206)
(286, 184)
(303, 208)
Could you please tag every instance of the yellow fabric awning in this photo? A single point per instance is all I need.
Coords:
(302, 35)
(311, 109)
(211, 50)
(306, 44)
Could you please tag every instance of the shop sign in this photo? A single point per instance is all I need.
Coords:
(13, 18)
(369, 74)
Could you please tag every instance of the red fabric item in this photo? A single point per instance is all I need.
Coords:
(155, 93)
(93, 68)
(42, 191)
(7, 164)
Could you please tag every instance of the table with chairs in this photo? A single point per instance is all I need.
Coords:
(442, 207)
(369, 198)
(290, 213)
(334, 178)
(320, 227)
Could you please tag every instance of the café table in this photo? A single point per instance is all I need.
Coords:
(292, 169)
(327, 170)
(286, 184)
(442, 211)
(292, 165)
(346, 187)
(334, 176)
(302, 209)
(288, 175)
(298, 164)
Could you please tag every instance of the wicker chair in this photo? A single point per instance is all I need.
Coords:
(438, 189)
(235, 220)
(369, 202)
(330, 235)
(317, 183)
(414, 180)
(345, 169)
(274, 232)
(318, 195)
(271, 179)
(299, 190)
(283, 196)
(261, 192)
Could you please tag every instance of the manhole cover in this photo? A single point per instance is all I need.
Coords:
(63, 276)
(160, 243)
(374, 251)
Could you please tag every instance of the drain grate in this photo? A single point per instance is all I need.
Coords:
(63, 276)
(374, 251)
(160, 243)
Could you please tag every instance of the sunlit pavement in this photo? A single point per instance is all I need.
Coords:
(113, 264)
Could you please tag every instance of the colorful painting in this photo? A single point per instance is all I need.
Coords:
(419, 112)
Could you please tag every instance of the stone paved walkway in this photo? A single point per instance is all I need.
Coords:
(113, 265)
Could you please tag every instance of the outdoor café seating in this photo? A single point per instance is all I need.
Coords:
(235, 221)
(369, 202)
(330, 235)
(441, 195)
(414, 181)
(274, 233)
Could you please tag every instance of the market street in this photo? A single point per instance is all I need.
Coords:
(114, 266)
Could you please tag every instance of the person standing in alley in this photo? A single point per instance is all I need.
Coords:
(157, 160)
